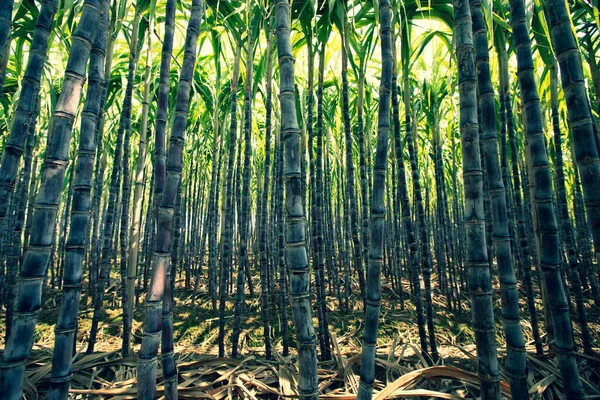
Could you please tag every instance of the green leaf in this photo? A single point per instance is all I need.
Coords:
(541, 35)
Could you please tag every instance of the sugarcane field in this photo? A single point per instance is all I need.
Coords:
(299, 199)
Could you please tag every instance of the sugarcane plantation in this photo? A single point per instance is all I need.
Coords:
(299, 199)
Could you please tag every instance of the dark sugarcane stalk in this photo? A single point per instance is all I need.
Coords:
(35, 262)
(448, 238)
(583, 235)
(357, 252)
(537, 159)
(195, 205)
(183, 248)
(160, 135)
(150, 238)
(209, 223)
(377, 223)
(205, 225)
(100, 164)
(364, 194)
(529, 278)
(272, 223)
(95, 248)
(199, 232)
(523, 238)
(343, 222)
(441, 251)
(315, 211)
(245, 213)
(332, 270)
(159, 306)
(527, 171)
(319, 243)
(393, 226)
(148, 244)
(295, 225)
(6, 11)
(126, 187)
(263, 228)
(448, 243)
(111, 220)
(138, 193)
(586, 149)
(395, 187)
(167, 348)
(420, 218)
(486, 201)
(503, 93)
(146, 203)
(413, 259)
(24, 117)
(51, 266)
(186, 247)
(66, 327)
(388, 266)
(175, 243)
(530, 222)
(213, 250)
(568, 237)
(213, 198)
(457, 225)
(5, 55)
(478, 274)
(237, 211)
(63, 228)
(14, 258)
(515, 343)
(282, 262)
(227, 209)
